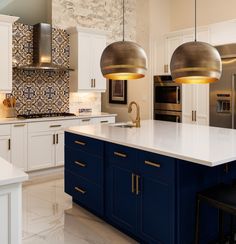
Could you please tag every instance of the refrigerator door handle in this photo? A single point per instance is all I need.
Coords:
(233, 100)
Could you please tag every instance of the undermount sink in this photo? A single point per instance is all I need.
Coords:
(123, 125)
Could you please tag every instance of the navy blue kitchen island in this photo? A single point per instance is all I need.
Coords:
(149, 196)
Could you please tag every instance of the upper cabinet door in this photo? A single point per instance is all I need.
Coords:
(86, 47)
(6, 52)
(99, 44)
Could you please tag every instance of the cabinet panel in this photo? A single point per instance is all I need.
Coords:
(41, 150)
(19, 146)
(156, 208)
(84, 192)
(59, 148)
(5, 147)
(121, 202)
(99, 44)
(6, 57)
(84, 165)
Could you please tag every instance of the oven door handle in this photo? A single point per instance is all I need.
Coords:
(177, 95)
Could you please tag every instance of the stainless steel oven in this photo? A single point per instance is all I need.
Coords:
(165, 115)
(167, 94)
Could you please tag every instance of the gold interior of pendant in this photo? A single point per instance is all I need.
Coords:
(196, 80)
(124, 76)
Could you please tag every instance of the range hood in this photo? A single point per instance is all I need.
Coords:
(42, 50)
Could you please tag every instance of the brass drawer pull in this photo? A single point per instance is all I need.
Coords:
(55, 126)
(86, 120)
(80, 164)
(80, 190)
(104, 121)
(152, 164)
(122, 155)
(54, 139)
(80, 143)
(137, 184)
(132, 184)
(19, 125)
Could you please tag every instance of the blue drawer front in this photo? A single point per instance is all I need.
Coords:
(83, 143)
(86, 193)
(156, 166)
(84, 164)
(121, 155)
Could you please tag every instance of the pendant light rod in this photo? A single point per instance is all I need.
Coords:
(123, 20)
(195, 20)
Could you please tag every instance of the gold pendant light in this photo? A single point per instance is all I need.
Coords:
(196, 62)
(123, 60)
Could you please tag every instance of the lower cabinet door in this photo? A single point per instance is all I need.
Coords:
(5, 148)
(59, 153)
(84, 192)
(121, 202)
(41, 150)
(156, 211)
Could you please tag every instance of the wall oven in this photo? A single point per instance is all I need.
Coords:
(167, 99)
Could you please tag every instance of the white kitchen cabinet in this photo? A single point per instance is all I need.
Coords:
(19, 145)
(86, 47)
(41, 150)
(6, 52)
(106, 120)
(10, 214)
(59, 148)
(5, 142)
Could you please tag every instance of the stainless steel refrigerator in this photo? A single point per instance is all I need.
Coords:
(223, 92)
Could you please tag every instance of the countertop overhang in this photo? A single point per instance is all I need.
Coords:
(205, 145)
(9, 174)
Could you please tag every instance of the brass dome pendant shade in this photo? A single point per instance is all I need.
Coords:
(123, 60)
(196, 62)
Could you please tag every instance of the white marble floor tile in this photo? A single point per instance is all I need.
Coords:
(50, 217)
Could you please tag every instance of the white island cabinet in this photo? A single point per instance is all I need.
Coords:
(6, 52)
(11, 179)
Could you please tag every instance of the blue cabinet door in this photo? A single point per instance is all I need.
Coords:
(157, 198)
(121, 202)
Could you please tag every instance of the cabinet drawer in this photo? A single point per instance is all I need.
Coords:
(5, 130)
(87, 194)
(105, 120)
(46, 126)
(84, 144)
(84, 165)
(157, 166)
(121, 155)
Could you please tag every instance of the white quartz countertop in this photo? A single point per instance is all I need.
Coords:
(210, 146)
(9, 174)
(79, 116)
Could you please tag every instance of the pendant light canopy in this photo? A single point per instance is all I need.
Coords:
(196, 62)
(123, 60)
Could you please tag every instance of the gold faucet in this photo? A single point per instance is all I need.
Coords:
(137, 120)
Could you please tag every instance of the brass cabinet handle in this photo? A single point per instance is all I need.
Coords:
(137, 184)
(94, 82)
(53, 140)
(57, 140)
(91, 82)
(80, 143)
(132, 183)
(55, 126)
(157, 165)
(80, 190)
(122, 155)
(86, 120)
(19, 125)
(195, 115)
(9, 144)
(192, 115)
(104, 121)
(80, 164)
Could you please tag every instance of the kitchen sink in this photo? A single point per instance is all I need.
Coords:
(123, 125)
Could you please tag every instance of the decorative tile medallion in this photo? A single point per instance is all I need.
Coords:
(40, 91)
